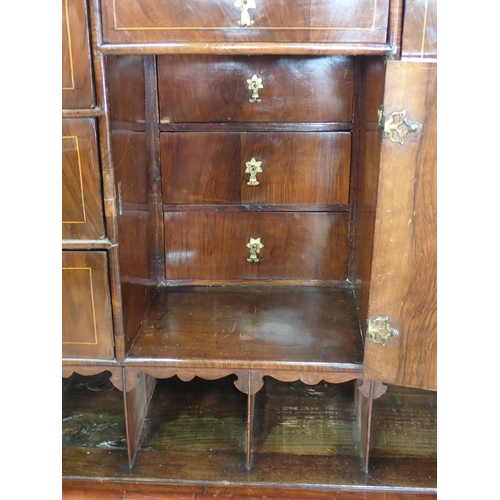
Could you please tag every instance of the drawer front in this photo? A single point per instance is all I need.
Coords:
(86, 307)
(292, 89)
(256, 168)
(82, 206)
(264, 20)
(208, 246)
(77, 84)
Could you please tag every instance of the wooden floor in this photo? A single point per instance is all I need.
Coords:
(192, 445)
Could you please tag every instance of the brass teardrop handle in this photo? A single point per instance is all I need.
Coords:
(255, 84)
(255, 246)
(253, 168)
(244, 5)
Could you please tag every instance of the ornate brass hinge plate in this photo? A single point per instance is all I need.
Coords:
(380, 331)
(396, 126)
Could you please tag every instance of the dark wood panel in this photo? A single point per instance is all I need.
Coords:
(420, 29)
(293, 325)
(200, 167)
(77, 84)
(127, 89)
(82, 204)
(308, 169)
(273, 20)
(403, 279)
(129, 161)
(215, 89)
(365, 182)
(86, 307)
(296, 245)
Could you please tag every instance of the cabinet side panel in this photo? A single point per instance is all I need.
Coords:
(135, 214)
(403, 279)
(365, 181)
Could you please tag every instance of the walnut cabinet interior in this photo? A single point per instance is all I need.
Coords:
(251, 192)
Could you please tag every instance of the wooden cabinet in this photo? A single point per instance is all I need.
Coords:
(268, 196)
(87, 326)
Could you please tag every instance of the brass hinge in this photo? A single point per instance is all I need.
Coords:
(396, 127)
(380, 330)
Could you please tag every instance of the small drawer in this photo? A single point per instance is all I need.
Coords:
(77, 83)
(257, 89)
(142, 21)
(86, 306)
(82, 206)
(256, 168)
(215, 245)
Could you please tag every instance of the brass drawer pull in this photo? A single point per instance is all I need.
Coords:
(254, 245)
(244, 5)
(255, 84)
(253, 168)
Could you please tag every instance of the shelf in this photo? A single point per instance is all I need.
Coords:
(251, 327)
(304, 443)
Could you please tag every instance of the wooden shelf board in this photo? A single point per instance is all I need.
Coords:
(258, 327)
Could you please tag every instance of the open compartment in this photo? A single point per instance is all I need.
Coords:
(216, 280)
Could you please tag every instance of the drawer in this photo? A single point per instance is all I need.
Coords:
(259, 20)
(77, 84)
(209, 246)
(296, 168)
(86, 307)
(293, 89)
(82, 206)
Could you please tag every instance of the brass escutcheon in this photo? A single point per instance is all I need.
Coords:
(253, 168)
(255, 84)
(379, 330)
(254, 245)
(396, 127)
(244, 5)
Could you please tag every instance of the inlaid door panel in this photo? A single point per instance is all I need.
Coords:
(263, 20)
(403, 277)
(218, 245)
(86, 308)
(77, 84)
(82, 205)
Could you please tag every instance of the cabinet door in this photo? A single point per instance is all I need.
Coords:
(403, 278)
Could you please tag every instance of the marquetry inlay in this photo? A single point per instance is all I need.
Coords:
(253, 27)
(68, 31)
(75, 146)
(88, 278)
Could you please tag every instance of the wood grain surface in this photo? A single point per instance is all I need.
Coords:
(215, 89)
(213, 245)
(287, 325)
(143, 21)
(297, 168)
(403, 279)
